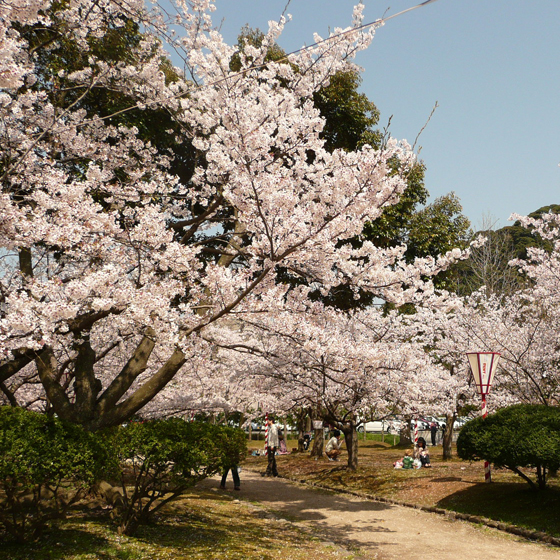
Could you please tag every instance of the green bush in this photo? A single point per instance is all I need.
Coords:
(46, 465)
(160, 459)
(514, 437)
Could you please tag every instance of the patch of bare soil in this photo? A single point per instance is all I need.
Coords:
(381, 527)
(369, 529)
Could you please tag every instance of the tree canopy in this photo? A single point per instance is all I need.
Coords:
(117, 262)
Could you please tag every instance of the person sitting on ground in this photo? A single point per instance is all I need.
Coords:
(283, 448)
(419, 447)
(421, 452)
(333, 446)
(425, 458)
(408, 461)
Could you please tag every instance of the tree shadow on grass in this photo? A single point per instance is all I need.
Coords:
(59, 543)
(225, 535)
(451, 479)
(513, 503)
(179, 534)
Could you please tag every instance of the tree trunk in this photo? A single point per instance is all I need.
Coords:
(351, 441)
(404, 434)
(448, 437)
(26, 262)
(318, 443)
(541, 477)
(301, 431)
(20, 359)
(86, 386)
(141, 396)
(47, 369)
(94, 412)
(135, 366)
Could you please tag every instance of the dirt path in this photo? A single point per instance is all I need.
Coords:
(374, 530)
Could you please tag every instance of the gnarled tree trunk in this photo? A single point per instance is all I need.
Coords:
(404, 434)
(351, 441)
(318, 443)
(448, 436)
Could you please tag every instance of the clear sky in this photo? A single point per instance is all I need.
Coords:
(493, 68)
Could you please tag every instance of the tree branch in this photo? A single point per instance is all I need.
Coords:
(133, 368)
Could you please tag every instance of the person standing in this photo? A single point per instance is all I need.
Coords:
(235, 474)
(433, 432)
(272, 445)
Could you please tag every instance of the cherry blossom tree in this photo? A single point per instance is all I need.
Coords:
(522, 326)
(113, 265)
(522, 329)
(340, 365)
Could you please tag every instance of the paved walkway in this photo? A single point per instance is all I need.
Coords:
(375, 530)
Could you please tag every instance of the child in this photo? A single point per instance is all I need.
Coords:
(407, 462)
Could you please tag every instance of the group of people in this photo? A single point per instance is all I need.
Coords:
(274, 444)
(418, 458)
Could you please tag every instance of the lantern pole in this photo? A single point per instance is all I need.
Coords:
(483, 367)
(487, 469)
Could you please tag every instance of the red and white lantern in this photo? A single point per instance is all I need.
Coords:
(483, 367)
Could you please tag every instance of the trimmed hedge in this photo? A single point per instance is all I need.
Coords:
(517, 436)
(45, 466)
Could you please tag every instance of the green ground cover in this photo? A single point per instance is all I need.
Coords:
(200, 526)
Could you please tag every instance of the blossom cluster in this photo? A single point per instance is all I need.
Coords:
(115, 265)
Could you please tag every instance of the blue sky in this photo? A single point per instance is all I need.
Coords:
(493, 68)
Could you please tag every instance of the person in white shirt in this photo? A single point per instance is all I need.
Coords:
(272, 445)
(333, 446)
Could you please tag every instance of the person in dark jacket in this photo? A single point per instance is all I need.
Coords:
(235, 475)
(421, 452)
(433, 432)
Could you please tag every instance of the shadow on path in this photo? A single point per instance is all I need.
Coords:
(379, 530)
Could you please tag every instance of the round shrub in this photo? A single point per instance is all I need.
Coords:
(160, 459)
(517, 436)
